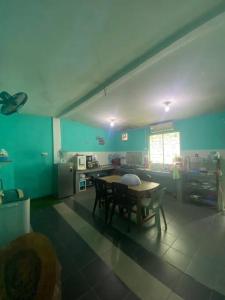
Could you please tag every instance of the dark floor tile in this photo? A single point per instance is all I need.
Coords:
(53, 237)
(189, 289)
(82, 259)
(90, 295)
(111, 288)
(48, 220)
(163, 271)
(131, 296)
(95, 272)
(68, 265)
(143, 257)
(67, 235)
(74, 286)
(130, 247)
(112, 234)
(73, 254)
(81, 268)
(217, 296)
(94, 220)
(59, 248)
(76, 245)
(80, 209)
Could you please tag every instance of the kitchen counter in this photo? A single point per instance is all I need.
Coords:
(101, 168)
(91, 173)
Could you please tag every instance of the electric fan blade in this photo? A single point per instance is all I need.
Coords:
(13, 103)
(5, 96)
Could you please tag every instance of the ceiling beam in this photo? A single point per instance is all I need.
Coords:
(162, 45)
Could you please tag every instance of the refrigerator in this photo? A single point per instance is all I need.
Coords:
(64, 180)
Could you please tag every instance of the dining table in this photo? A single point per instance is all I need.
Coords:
(144, 189)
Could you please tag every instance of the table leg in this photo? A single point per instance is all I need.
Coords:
(139, 213)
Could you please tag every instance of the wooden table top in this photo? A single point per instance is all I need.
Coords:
(143, 187)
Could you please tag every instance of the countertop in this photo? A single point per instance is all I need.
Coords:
(101, 168)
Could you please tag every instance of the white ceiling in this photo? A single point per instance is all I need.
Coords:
(59, 51)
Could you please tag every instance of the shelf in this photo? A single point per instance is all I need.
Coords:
(203, 201)
(5, 162)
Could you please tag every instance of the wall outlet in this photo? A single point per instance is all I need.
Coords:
(44, 154)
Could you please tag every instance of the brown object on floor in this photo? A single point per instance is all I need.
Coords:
(29, 270)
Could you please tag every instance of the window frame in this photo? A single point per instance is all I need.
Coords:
(163, 150)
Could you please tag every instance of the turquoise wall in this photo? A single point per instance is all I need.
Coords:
(137, 140)
(202, 132)
(197, 133)
(25, 137)
(76, 136)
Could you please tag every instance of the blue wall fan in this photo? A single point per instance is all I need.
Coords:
(11, 104)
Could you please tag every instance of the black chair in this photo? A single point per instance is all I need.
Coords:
(122, 199)
(145, 177)
(103, 195)
(155, 204)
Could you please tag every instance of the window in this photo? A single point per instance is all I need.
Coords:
(164, 147)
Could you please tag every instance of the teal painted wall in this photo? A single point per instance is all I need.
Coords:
(137, 140)
(77, 137)
(202, 132)
(198, 133)
(25, 137)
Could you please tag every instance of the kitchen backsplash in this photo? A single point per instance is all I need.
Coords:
(139, 158)
(105, 158)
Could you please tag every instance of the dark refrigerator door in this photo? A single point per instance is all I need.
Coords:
(65, 180)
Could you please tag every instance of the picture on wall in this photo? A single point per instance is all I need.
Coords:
(124, 136)
(101, 140)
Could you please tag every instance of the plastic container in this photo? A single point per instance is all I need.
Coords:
(14, 220)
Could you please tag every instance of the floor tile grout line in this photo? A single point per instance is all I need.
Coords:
(60, 207)
(187, 274)
(86, 293)
(143, 246)
(79, 270)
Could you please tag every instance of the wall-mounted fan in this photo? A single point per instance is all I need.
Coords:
(11, 104)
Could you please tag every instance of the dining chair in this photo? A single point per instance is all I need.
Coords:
(102, 196)
(122, 200)
(156, 206)
(145, 177)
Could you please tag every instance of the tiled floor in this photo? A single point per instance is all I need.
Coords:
(102, 262)
(194, 242)
(84, 274)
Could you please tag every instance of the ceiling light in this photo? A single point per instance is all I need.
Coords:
(167, 106)
(112, 123)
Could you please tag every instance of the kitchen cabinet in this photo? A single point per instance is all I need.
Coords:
(201, 188)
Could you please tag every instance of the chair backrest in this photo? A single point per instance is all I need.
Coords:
(120, 193)
(145, 177)
(100, 187)
(157, 197)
